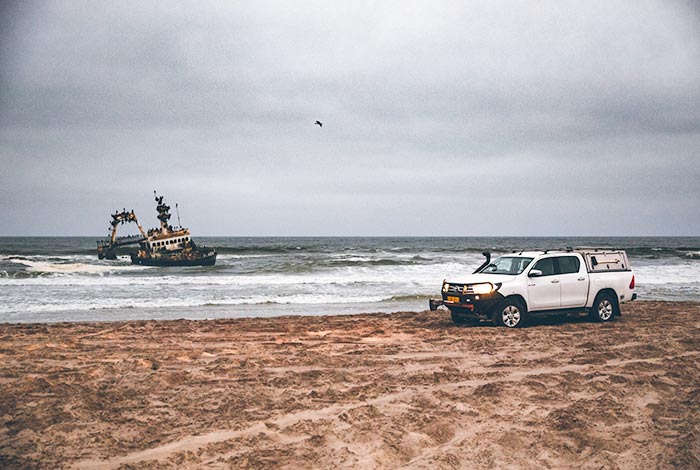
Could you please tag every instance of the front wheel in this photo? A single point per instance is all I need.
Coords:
(604, 308)
(510, 313)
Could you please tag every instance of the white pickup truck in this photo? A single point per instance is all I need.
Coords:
(528, 283)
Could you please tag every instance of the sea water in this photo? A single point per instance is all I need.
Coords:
(61, 279)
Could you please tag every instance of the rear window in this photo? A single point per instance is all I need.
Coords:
(568, 264)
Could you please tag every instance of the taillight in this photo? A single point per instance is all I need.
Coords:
(632, 282)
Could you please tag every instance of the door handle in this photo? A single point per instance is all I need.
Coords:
(581, 278)
(555, 281)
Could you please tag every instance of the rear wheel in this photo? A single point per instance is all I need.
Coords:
(604, 308)
(510, 313)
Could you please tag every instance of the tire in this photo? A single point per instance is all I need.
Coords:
(510, 313)
(604, 307)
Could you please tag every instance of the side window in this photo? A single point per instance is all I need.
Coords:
(546, 265)
(520, 265)
(568, 264)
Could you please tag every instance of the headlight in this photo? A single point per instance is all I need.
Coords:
(445, 287)
(486, 288)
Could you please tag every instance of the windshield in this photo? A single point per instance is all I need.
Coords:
(511, 265)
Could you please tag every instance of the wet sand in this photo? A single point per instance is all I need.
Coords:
(407, 390)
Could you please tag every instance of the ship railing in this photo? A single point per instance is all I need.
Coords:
(123, 240)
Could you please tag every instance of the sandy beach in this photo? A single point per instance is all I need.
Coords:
(406, 390)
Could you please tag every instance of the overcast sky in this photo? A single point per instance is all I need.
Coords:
(439, 118)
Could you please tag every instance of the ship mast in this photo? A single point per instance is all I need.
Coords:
(163, 213)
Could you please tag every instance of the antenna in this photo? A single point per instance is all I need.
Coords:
(178, 215)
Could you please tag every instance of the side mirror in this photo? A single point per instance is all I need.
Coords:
(534, 273)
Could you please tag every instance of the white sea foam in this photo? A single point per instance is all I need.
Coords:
(66, 268)
(192, 301)
(682, 272)
(36, 287)
(225, 256)
(68, 263)
(339, 276)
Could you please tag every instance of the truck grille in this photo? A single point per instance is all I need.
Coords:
(458, 289)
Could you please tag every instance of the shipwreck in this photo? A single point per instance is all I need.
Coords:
(163, 246)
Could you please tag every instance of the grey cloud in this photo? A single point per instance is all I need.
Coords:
(422, 102)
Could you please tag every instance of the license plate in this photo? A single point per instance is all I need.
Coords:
(453, 299)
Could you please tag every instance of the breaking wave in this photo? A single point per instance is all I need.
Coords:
(41, 281)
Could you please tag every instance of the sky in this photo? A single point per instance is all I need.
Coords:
(443, 118)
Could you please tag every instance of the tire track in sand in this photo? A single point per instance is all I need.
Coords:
(192, 443)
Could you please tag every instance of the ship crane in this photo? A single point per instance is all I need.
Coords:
(122, 218)
(107, 249)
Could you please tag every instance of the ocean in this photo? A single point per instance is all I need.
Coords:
(51, 279)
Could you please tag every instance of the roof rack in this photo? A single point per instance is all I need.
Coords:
(545, 251)
(596, 248)
(567, 249)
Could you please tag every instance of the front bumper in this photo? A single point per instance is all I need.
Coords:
(479, 304)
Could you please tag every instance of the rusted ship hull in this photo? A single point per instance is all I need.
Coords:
(198, 259)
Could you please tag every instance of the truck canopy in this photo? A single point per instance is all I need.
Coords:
(604, 260)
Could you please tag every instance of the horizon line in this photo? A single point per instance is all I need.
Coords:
(378, 236)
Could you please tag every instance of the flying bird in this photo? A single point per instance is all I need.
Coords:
(320, 124)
